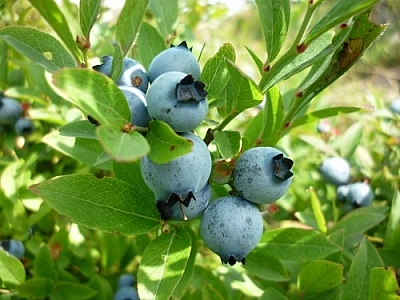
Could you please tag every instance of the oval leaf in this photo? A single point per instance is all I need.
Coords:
(122, 146)
(228, 143)
(165, 144)
(163, 265)
(166, 14)
(12, 271)
(318, 276)
(94, 93)
(107, 204)
(297, 244)
(275, 16)
(36, 287)
(51, 12)
(38, 46)
(88, 13)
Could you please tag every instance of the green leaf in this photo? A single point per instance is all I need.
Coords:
(122, 146)
(186, 279)
(96, 94)
(81, 129)
(117, 62)
(166, 13)
(339, 13)
(72, 291)
(128, 23)
(44, 264)
(12, 271)
(88, 12)
(297, 244)
(358, 279)
(149, 43)
(87, 200)
(50, 11)
(272, 293)
(130, 173)
(318, 276)
(256, 59)
(321, 47)
(246, 92)
(350, 140)
(318, 214)
(165, 144)
(163, 264)
(359, 35)
(274, 16)
(102, 286)
(37, 287)
(215, 73)
(265, 266)
(38, 46)
(3, 63)
(383, 284)
(359, 220)
(228, 143)
(85, 150)
(272, 117)
(394, 220)
(323, 114)
(210, 292)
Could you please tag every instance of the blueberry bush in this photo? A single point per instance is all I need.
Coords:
(142, 159)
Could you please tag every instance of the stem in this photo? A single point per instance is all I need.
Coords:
(293, 49)
(225, 121)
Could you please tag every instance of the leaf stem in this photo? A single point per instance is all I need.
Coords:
(225, 121)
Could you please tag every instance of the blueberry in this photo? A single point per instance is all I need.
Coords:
(231, 227)
(10, 111)
(24, 126)
(137, 105)
(186, 173)
(335, 170)
(126, 293)
(358, 194)
(179, 100)
(174, 208)
(133, 73)
(324, 126)
(395, 106)
(179, 58)
(126, 280)
(13, 247)
(262, 174)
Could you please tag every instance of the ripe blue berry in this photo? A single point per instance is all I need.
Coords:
(126, 293)
(395, 106)
(24, 126)
(179, 100)
(137, 105)
(231, 227)
(175, 208)
(10, 111)
(13, 247)
(126, 280)
(187, 173)
(335, 170)
(179, 58)
(262, 174)
(358, 194)
(133, 73)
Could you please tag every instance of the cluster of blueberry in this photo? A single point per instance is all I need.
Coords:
(126, 289)
(171, 91)
(11, 117)
(336, 170)
(13, 247)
